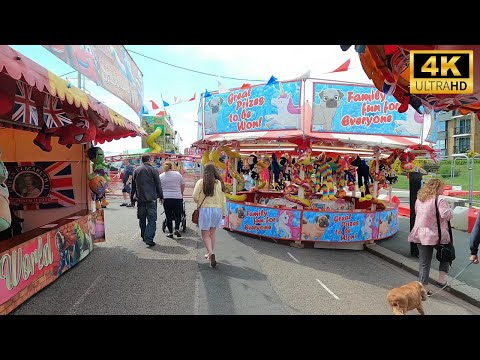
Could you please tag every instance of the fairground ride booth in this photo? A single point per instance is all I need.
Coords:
(318, 156)
(48, 219)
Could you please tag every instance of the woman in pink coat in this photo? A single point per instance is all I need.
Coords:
(425, 230)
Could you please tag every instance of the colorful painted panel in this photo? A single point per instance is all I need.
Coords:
(357, 109)
(32, 265)
(262, 221)
(388, 225)
(339, 227)
(109, 66)
(269, 107)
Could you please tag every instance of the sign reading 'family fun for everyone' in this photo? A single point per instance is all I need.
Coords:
(259, 108)
(362, 109)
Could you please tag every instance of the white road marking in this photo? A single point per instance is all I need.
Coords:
(330, 291)
(82, 298)
(293, 257)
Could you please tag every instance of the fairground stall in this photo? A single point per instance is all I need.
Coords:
(49, 171)
(317, 154)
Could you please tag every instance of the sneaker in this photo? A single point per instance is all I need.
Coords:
(170, 235)
(177, 233)
(123, 204)
(130, 205)
(150, 243)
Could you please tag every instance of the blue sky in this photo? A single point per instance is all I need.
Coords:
(285, 62)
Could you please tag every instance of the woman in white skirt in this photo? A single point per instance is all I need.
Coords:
(209, 194)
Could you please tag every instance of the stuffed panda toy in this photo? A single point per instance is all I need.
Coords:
(252, 160)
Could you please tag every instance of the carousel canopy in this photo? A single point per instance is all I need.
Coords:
(20, 76)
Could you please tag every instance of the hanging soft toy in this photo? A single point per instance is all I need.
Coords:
(100, 169)
(252, 160)
(339, 178)
(44, 139)
(81, 131)
(5, 216)
(275, 169)
(406, 161)
(364, 178)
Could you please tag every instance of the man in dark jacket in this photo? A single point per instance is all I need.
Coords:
(475, 241)
(146, 189)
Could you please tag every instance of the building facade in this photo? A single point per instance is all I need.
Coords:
(169, 140)
(457, 133)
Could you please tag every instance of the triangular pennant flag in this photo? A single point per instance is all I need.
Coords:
(193, 98)
(245, 86)
(207, 94)
(165, 103)
(272, 80)
(161, 113)
(144, 110)
(222, 89)
(154, 105)
(177, 100)
(304, 76)
(343, 67)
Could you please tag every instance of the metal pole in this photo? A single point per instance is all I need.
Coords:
(79, 80)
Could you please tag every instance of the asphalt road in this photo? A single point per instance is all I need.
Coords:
(123, 276)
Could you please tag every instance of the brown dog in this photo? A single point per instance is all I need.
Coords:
(235, 219)
(315, 230)
(407, 297)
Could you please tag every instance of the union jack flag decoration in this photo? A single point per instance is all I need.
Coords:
(51, 184)
(24, 107)
(53, 113)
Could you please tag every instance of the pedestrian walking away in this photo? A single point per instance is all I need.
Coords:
(425, 230)
(127, 183)
(209, 194)
(173, 186)
(146, 189)
(475, 240)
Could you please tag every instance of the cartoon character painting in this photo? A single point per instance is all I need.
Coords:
(412, 126)
(211, 115)
(324, 112)
(236, 217)
(385, 226)
(315, 230)
(282, 228)
(288, 114)
(367, 228)
(72, 248)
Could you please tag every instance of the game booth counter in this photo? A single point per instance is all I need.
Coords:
(48, 218)
(322, 156)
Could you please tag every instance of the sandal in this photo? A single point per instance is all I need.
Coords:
(213, 263)
(206, 257)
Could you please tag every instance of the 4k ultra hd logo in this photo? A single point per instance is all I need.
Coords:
(441, 72)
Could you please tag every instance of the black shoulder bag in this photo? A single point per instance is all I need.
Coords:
(445, 252)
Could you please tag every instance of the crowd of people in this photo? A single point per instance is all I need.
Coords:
(145, 185)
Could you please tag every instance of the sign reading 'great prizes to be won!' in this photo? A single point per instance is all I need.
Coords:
(259, 108)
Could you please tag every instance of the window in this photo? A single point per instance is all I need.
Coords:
(442, 126)
(462, 145)
(442, 144)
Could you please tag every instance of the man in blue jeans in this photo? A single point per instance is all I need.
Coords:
(146, 189)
